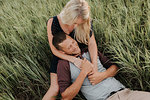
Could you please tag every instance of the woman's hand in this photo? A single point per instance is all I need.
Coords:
(86, 66)
(77, 62)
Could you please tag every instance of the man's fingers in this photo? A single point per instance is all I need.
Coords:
(83, 61)
(92, 82)
(89, 77)
(91, 73)
(92, 79)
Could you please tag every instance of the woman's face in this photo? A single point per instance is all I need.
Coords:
(78, 22)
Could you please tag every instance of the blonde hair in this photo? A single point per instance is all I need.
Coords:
(73, 10)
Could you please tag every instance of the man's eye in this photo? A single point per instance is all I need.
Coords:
(70, 47)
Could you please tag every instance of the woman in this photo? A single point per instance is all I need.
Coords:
(74, 20)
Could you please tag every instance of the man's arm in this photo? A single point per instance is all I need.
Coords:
(110, 72)
(111, 67)
(73, 90)
(70, 91)
(105, 61)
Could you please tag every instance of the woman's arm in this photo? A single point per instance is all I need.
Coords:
(92, 47)
(53, 49)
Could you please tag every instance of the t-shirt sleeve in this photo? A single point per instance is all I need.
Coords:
(91, 30)
(105, 61)
(64, 76)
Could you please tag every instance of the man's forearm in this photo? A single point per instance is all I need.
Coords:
(111, 71)
(72, 90)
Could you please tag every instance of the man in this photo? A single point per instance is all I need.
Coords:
(72, 79)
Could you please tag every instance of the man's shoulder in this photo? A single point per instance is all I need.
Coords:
(63, 64)
(63, 61)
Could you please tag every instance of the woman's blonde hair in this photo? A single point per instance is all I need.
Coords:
(73, 10)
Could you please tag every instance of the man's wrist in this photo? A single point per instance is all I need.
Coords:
(105, 74)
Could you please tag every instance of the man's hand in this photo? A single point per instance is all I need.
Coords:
(97, 77)
(86, 66)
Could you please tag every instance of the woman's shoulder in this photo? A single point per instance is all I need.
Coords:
(53, 25)
(50, 20)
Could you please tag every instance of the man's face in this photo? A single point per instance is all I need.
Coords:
(70, 46)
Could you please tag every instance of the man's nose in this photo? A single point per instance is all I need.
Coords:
(74, 48)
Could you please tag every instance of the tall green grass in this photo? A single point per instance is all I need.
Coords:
(122, 31)
(124, 26)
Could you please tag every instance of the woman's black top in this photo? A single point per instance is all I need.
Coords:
(56, 28)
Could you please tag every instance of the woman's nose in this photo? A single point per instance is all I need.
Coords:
(75, 25)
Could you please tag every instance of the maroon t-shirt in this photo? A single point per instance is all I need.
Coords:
(64, 75)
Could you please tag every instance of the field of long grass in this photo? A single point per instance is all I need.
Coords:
(122, 31)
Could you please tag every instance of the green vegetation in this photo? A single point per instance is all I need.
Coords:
(122, 31)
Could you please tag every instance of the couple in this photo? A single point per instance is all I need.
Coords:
(75, 21)
(72, 79)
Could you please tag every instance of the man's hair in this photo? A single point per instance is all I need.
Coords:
(57, 39)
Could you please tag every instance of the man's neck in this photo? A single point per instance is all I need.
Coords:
(79, 55)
